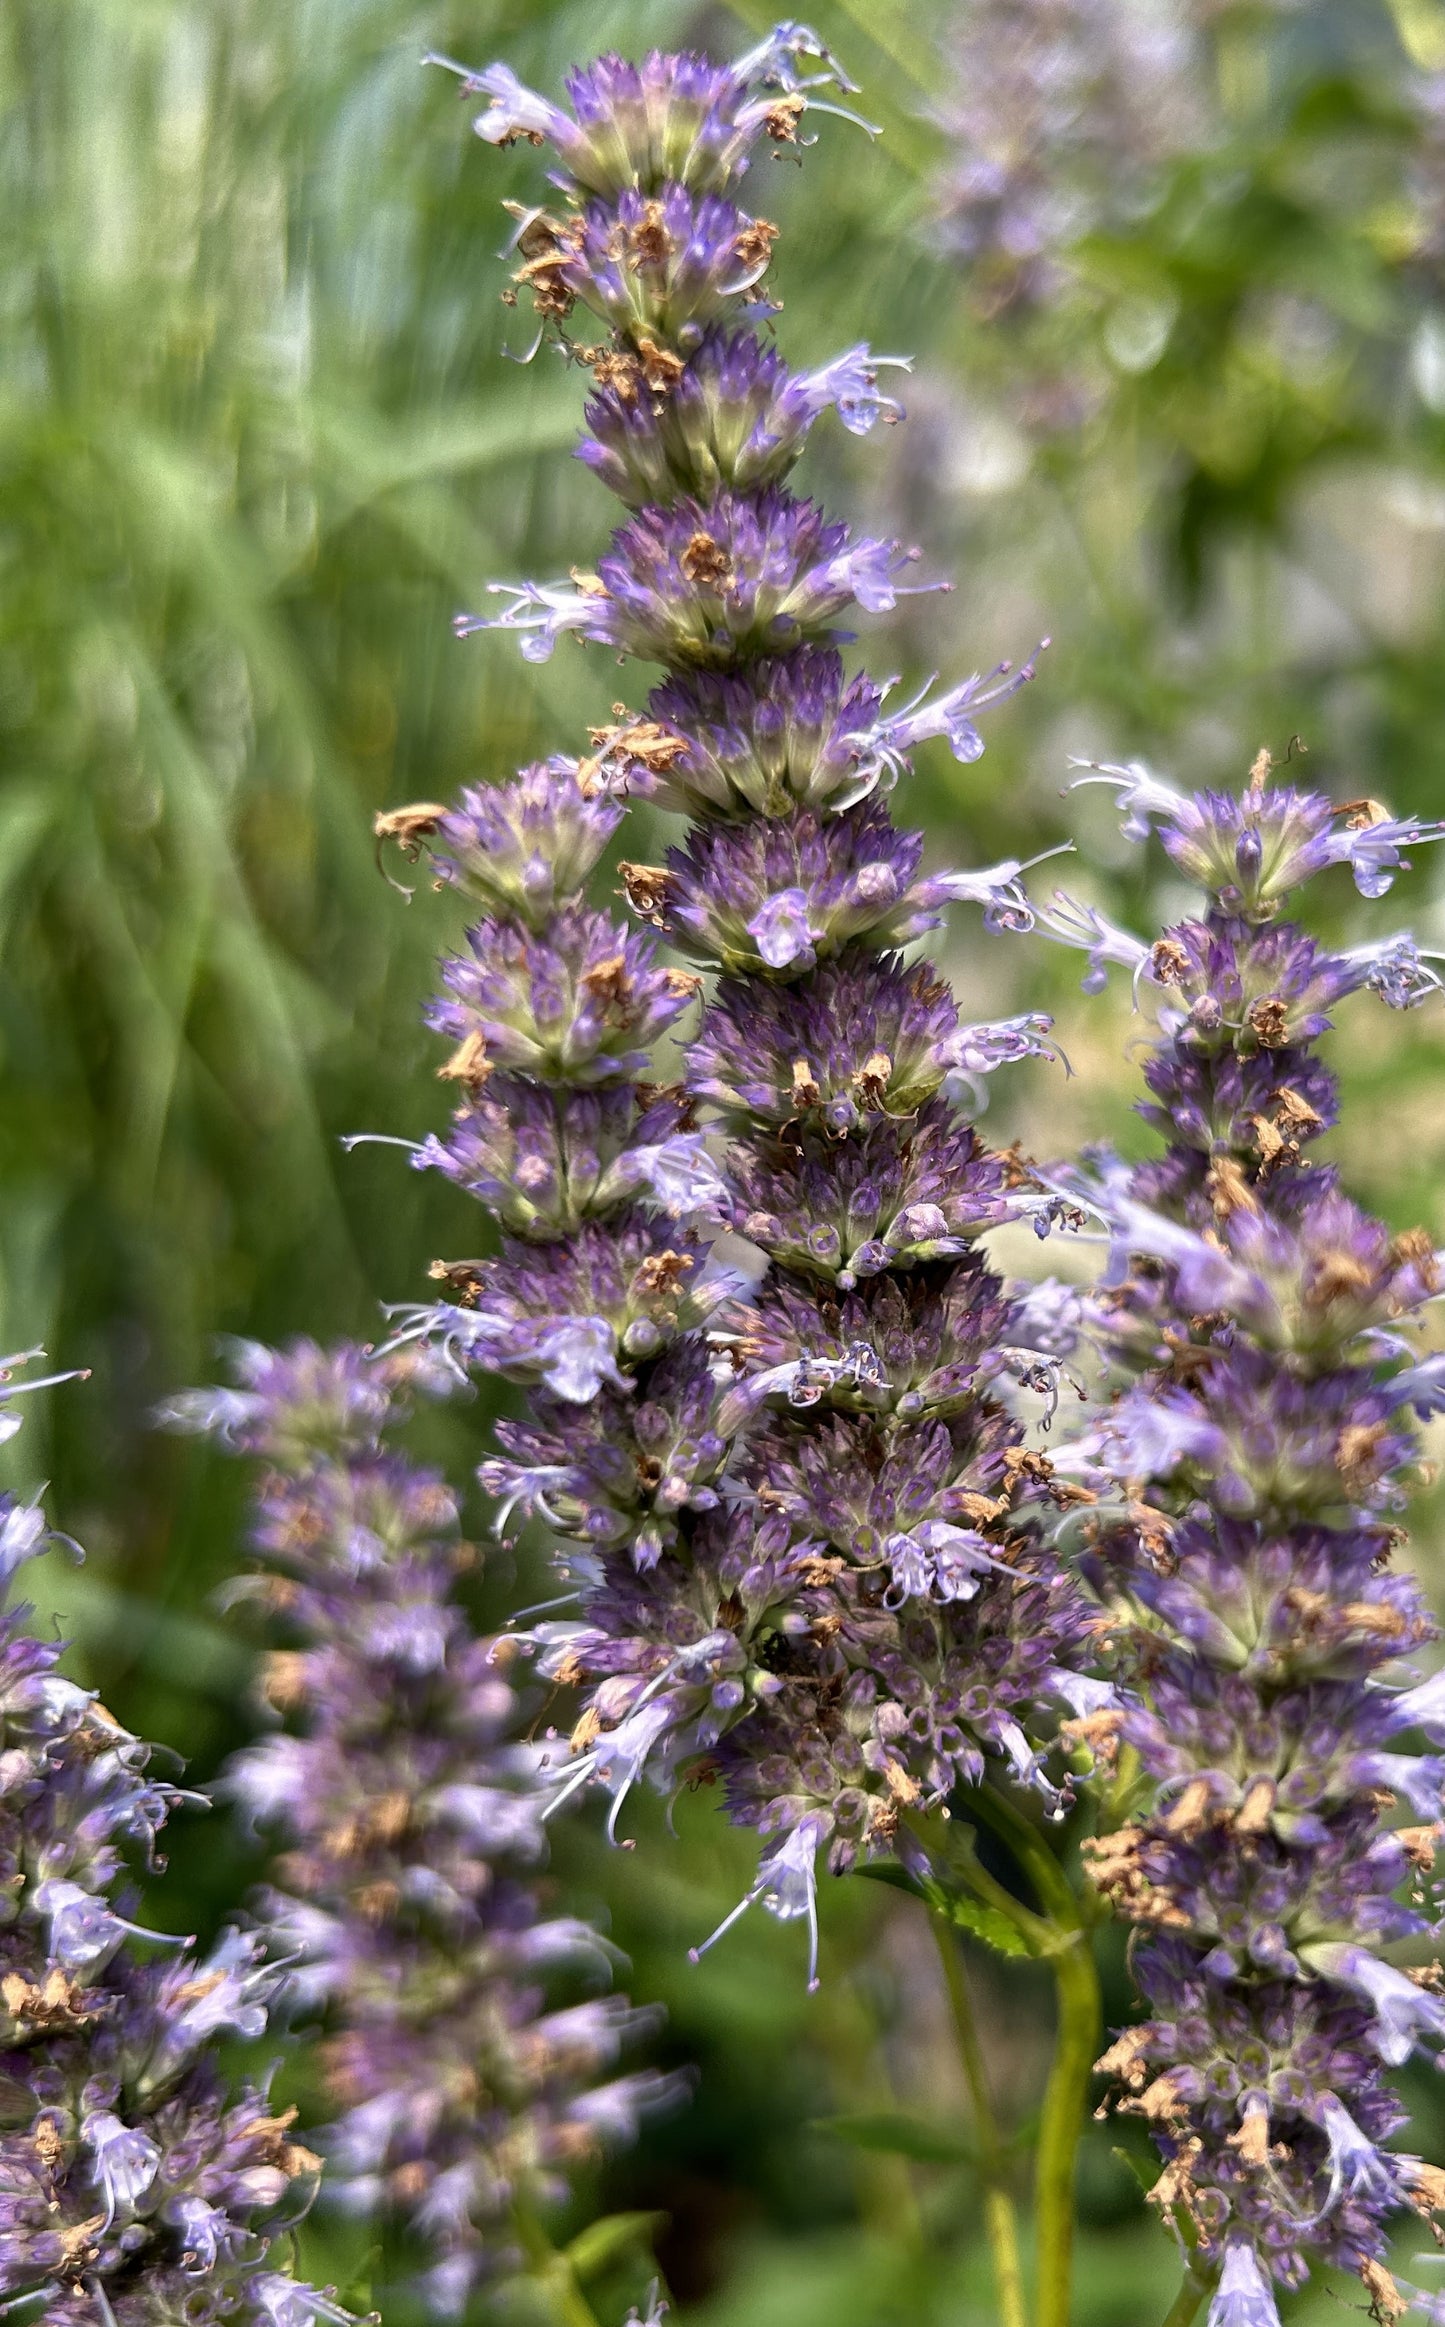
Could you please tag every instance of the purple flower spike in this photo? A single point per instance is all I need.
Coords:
(570, 1314)
(776, 896)
(893, 1193)
(1248, 1472)
(467, 2075)
(544, 1160)
(136, 2184)
(858, 1038)
(770, 1423)
(792, 730)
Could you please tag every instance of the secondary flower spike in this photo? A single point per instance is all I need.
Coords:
(1260, 1444)
(771, 1423)
(470, 2038)
(137, 2184)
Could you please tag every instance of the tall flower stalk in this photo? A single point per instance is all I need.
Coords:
(465, 2087)
(1250, 1470)
(138, 2186)
(771, 1418)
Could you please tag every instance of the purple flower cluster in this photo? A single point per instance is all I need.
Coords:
(410, 1814)
(771, 1371)
(672, 123)
(1250, 1469)
(710, 583)
(137, 2186)
(733, 415)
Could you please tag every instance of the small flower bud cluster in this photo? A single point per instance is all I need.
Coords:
(795, 1511)
(410, 1815)
(138, 2188)
(1250, 1469)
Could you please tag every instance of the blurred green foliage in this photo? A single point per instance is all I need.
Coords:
(259, 437)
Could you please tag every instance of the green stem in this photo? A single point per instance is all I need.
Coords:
(1055, 1894)
(1060, 1937)
(1000, 2220)
(1076, 1985)
(552, 2272)
(1186, 2303)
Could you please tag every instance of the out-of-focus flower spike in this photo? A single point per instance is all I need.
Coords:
(133, 2168)
(424, 1940)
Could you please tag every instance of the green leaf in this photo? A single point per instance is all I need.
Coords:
(602, 2243)
(1137, 2168)
(356, 2294)
(901, 2135)
(990, 1924)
